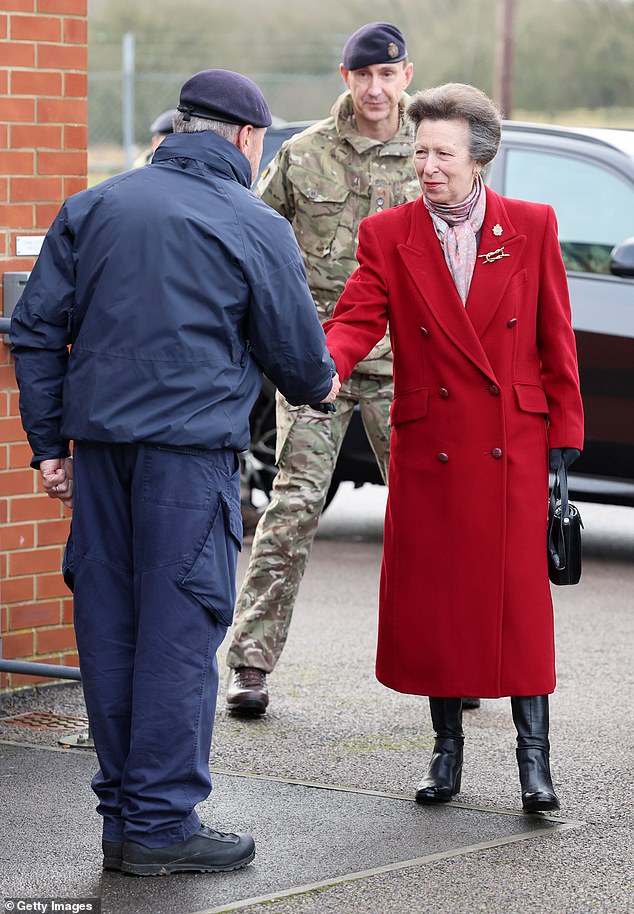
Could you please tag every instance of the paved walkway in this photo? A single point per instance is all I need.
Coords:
(325, 780)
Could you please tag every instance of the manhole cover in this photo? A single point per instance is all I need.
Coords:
(46, 720)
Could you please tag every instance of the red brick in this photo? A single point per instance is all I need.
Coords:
(11, 429)
(17, 536)
(4, 618)
(17, 646)
(4, 136)
(36, 189)
(60, 57)
(19, 216)
(55, 639)
(75, 31)
(50, 585)
(17, 109)
(20, 455)
(52, 532)
(18, 590)
(4, 510)
(37, 82)
(16, 482)
(4, 459)
(66, 7)
(75, 136)
(30, 615)
(4, 191)
(75, 85)
(34, 561)
(34, 507)
(4, 76)
(44, 215)
(73, 185)
(8, 382)
(17, 163)
(71, 659)
(61, 163)
(36, 28)
(36, 136)
(14, 403)
(3, 26)
(23, 6)
(11, 264)
(67, 612)
(18, 55)
(62, 110)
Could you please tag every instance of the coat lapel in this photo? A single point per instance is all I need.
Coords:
(491, 277)
(425, 262)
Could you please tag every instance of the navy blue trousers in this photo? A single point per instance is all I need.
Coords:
(152, 559)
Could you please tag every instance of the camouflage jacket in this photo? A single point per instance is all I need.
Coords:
(325, 180)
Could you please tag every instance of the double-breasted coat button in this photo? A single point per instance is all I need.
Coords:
(512, 322)
(497, 452)
(443, 392)
(443, 457)
(494, 390)
(424, 331)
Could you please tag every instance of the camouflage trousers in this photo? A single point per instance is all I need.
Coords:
(308, 443)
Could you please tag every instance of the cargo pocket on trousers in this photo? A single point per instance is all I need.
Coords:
(68, 562)
(211, 578)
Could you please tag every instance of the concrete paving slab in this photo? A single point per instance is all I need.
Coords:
(308, 836)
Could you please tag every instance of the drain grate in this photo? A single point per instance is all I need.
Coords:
(46, 720)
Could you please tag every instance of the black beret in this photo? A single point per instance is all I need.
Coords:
(375, 42)
(222, 95)
(164, 123)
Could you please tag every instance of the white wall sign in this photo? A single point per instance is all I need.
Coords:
(28, 245)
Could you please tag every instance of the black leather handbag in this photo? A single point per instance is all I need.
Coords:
(564, 533)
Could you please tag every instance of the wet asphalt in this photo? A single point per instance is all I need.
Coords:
(325, 780)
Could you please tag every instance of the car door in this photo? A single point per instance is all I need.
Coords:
(591, 187)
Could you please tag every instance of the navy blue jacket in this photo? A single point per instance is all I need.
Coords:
(175, 286)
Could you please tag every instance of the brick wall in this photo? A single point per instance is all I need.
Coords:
(43, 142)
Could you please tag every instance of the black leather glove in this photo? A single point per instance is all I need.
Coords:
(563, 457)
(327, 407)
(324, 407)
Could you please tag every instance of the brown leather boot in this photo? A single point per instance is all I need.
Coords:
(247, 693)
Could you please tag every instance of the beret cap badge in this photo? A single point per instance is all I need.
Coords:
(392, 50)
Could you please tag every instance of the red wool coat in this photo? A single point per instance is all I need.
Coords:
(480, 394)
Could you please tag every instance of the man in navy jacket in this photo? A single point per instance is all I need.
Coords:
(175, 287)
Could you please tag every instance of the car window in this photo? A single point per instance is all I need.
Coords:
(594, 206)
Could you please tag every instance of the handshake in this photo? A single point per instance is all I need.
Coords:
(327, 405)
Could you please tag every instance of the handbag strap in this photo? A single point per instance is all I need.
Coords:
(559, 493)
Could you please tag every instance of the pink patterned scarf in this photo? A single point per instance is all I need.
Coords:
(457, 225)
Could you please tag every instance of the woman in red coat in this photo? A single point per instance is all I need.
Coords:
(486, 383)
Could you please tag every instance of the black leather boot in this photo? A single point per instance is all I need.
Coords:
(444, 774)
(530, 716)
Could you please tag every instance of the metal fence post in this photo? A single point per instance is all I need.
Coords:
(127, 97)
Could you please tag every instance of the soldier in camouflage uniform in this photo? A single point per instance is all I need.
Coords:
(324, 181)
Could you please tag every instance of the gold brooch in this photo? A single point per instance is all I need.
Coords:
(497, 230)
(494, 255)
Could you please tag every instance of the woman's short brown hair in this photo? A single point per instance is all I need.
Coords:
(458, 101)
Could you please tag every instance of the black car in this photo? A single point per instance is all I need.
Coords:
(587, 175)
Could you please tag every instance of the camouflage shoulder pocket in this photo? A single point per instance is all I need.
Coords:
(320, 202)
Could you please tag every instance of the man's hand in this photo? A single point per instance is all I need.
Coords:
(334, 390)
(57, 479)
